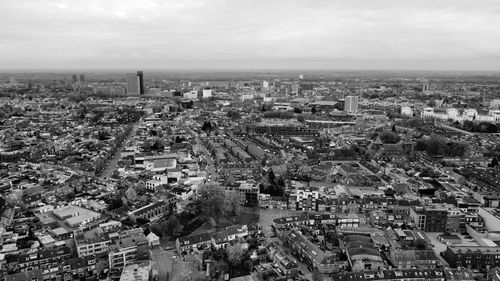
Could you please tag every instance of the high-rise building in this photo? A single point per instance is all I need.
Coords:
(351, 104)
(207, 93)
(135, 83)
(73, 78)
(265, 84)
(12, 80)
(82, 78)
(425, 88)
(141, 81)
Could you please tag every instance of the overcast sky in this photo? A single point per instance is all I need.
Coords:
(250, 34)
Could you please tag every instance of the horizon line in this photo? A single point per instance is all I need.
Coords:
(189, 69)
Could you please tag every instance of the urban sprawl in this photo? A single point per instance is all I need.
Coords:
(249, 176)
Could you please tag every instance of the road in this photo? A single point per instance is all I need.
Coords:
(113, 163)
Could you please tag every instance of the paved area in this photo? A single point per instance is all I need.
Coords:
(438, 246)
(162, 261)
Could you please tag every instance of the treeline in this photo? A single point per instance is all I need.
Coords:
(481, 127)
(436, 145)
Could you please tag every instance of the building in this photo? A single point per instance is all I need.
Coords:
(311, 254)
(391, 275)
(473, 257)
(207, 93)
(407, 259)
(249, 195)
(43, 258)
(351, 104)
(406, 111)
(131, 246)
(285, 262)
(135, 83)
(430, 218)
(152, 211)
(76, 216)
(93, 246)
(136, 271)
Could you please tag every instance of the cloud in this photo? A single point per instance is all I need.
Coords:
(242, 33)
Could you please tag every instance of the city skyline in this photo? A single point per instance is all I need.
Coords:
(331, 35)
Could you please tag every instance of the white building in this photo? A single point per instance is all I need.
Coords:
(191, 95)
(265, 84)
(406, 111)
(469, 114)
(351, 104)
(207, 93)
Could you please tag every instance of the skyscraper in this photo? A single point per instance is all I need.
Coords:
(12, 80)
(82, 78)
(73, 78)
(141, 81)
(425, 88)
(135, 83)
(351, 104)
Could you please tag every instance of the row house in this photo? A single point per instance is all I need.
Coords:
(267, 201)
(152, 211)
(217, 240)
(285, 263)
(310, 254)
(473, 257)
(44, 259)
(391, 275)
(92, 247)
(407, 259)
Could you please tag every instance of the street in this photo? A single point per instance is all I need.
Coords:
(113, 163)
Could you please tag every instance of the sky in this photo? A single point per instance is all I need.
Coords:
(250, 34)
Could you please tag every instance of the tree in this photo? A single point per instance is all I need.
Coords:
(207, 126)
(2, 204)
(131, 194)
(420, 244)
(421, 145)
(281, 185)
(313, 110)
(493, 164)
(233, 114)
(156, 229)
(434, 145)
(316, 275)
(211, 201)
(233, 203)
(458, 149)
(248, 264)
(389, 137)
(271, 177)
(235, 254)
(115, 175)
(172, 227)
